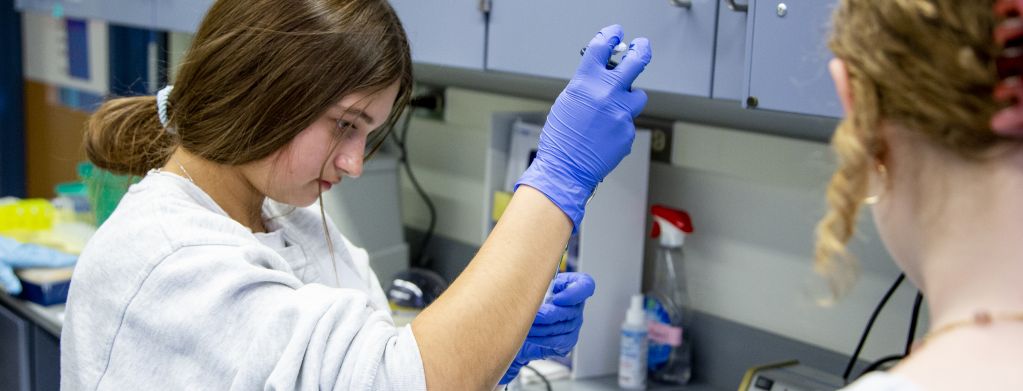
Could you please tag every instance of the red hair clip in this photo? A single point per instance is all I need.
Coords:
(1008, 35)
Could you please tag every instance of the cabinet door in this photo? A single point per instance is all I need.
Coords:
(730, 52)
(46, 360)
(81, 9)
(787, 57)
(180, 15)
(444, 32)
(137, 13)
(543, 38)
(15, 359)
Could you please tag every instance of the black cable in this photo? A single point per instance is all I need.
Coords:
(425, 242)
(543, 378)
(912, 323)
(870, 324)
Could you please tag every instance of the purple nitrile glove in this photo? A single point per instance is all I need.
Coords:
(589, 129)
(555, 329)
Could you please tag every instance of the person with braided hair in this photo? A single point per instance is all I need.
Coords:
(933, 143)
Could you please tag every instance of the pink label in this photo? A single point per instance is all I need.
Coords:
(664, 333)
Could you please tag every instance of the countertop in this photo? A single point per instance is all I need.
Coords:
(49, 318)
(610, 383)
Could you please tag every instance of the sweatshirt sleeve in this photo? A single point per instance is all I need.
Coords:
(216, 317)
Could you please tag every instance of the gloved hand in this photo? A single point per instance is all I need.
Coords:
(555, 329)
(14, 254)
(589, 129)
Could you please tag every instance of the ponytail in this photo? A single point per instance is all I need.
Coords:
(125, 136)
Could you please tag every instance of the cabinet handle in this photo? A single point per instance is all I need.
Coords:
(737, 7)
(682, 3)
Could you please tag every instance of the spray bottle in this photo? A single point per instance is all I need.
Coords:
(667, 305)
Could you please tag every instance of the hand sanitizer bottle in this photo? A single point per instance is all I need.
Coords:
(632, 357)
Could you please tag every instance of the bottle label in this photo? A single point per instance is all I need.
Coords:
(665, 334)
(663, 337)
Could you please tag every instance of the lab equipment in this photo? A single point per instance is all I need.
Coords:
(668, 312)
(367, 210)
(616, 53)
(608, 246)
(789, 376)
(105, 189)
(45, 286)
(589, 129)
(21, 217)
(633, 352)
(555, 329)
(14, 254)
(411, 291)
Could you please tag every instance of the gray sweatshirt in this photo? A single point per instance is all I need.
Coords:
(171, 293)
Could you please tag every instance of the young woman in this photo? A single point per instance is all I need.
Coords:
(936, 152)
(215, 272)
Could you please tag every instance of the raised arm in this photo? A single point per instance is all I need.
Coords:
(469, 336)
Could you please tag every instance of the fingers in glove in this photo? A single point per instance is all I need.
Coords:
(559, 328)
(598, 51)
(572, 288)
(635, 61)
(552, 313)
(543, 347)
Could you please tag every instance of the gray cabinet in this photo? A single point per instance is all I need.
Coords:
(137, 13)
(179, 15)
(543, 38)
(445, 32)
(15, 363)
(45, 361)
(730, 52)
(787, 57)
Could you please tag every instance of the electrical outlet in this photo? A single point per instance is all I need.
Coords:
(428, 102)
(660, 138)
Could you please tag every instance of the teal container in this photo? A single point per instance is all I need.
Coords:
(104, 189)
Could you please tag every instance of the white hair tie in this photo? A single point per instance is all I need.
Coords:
(161, 108)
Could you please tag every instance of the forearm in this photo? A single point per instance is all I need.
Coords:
(469, 335)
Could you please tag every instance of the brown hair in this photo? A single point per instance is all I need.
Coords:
(926, 65)
(257, 74)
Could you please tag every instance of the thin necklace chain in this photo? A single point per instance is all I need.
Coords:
(980, 318)
(184, 171)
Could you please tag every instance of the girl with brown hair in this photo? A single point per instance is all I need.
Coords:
(932, 142)
(217, 271)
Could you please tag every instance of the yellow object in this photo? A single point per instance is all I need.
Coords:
(501, 200)
(33, 214)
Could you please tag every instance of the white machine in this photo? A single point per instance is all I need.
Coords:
(789, 376)
(367, 210)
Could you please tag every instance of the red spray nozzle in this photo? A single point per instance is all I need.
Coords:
(677, 218)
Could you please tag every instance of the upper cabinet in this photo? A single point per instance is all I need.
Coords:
(138, 13)
(787, 57)
(730, 51)
(543, 38)
(764, 54)
(180, 15)
(445, 32)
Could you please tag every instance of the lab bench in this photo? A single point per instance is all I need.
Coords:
(723, 351)
(608, 383)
